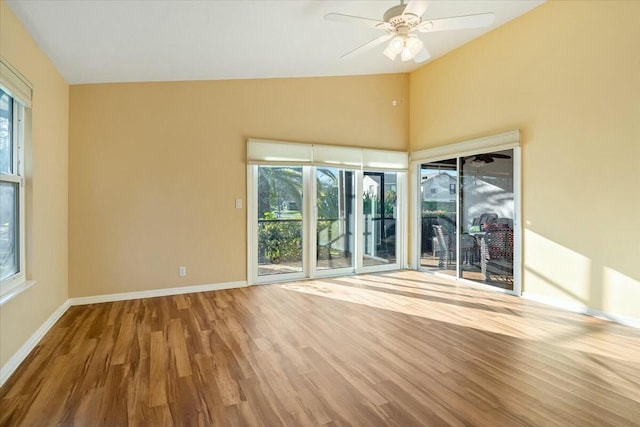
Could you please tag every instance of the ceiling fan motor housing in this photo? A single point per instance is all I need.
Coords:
(395, 17)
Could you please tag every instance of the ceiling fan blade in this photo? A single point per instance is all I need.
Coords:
(416, 7)
(456, 23)
(368, 45)
(341, 17)
(422, 56)
(500, 156)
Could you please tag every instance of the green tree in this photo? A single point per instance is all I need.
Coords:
(328, 195)
(372, 200)
(278, 184)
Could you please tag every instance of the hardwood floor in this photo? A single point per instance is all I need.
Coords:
(398, 349)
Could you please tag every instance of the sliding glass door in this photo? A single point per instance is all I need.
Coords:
(468, 218)
(320, 221)
(380, 214)
(280, 236)
(487, 212)
(438, 204)
(335, 219)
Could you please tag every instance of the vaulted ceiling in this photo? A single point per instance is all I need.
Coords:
(125, 41)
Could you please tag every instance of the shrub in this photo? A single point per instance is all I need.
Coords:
(279, 240)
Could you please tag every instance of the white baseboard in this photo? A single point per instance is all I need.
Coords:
(583, 309)
(23, 352)
(27, 347)
(156, 293)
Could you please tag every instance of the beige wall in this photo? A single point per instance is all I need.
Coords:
(155, 168)
(567, 75)
(47, 189)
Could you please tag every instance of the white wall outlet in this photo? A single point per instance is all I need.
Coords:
(238, 203)
(182, 271)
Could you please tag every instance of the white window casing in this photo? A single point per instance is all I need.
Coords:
(15, 84)
(20, 90)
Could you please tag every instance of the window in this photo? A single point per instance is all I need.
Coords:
(15, 100)
(11, 187)
(319, 210)
(452, 189)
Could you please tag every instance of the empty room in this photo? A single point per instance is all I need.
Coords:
(319, 213)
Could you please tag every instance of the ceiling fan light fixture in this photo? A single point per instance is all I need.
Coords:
(396, 44)
(402, 21)
(405, 55)
(412, 46)
(389, 53)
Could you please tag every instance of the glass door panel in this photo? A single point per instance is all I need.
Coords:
(380, 206)
(487, 215)
(438, 192)
(335, 203)
(305, 221)
(280, 226)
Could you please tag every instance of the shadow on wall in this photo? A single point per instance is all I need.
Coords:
(558, 273)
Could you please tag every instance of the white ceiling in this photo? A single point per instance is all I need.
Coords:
(93, 41)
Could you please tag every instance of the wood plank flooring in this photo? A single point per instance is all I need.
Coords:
(392, 349)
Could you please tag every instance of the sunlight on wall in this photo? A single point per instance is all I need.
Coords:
(620, 293)
(577, 115)
(566, 274)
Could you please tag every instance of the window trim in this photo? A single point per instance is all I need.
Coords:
(17, 283)
(20, 91)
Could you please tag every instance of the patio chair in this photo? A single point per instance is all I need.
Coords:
(487, 218)
(446, 247)
(496, 252)
(469, 248)
(507, 221)
(478, 223)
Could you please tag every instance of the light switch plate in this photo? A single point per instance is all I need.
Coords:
(238, 203)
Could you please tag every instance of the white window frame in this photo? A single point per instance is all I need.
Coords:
(311, 156)
(401, 228)
(309, 270)
(20, 91)
(504, 141)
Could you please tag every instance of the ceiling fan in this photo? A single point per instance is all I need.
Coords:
(480, 160)
(401, 22)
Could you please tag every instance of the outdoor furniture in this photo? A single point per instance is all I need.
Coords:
(446, 248)
(507, 221)
(469, 248)
(496, 252)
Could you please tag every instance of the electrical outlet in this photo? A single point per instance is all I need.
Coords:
(182, 271)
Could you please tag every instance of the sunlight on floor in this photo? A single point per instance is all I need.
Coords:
(417, 294)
